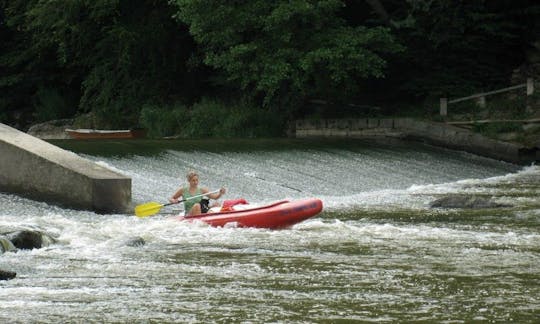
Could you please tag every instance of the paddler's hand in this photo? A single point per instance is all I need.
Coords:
(222, 191)
(173, 200)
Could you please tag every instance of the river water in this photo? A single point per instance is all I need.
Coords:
(377, 253)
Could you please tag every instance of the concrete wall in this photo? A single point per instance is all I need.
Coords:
(438, 134)
(36, 169)
(346, 128)
(462, 139)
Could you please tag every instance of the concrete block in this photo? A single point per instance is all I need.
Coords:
(410, 124)
(302, 124)
(339, 133)
(36, 169)
(359, 124)
(299, 124)
(343, 124)
(386, 123)
(310, 124)
(332, 123)
(373, 122)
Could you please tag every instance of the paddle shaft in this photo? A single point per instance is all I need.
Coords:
(151, 208)
(197, 196)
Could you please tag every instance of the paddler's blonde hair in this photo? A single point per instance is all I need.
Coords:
(191, 174)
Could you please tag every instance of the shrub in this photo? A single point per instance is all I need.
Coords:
(205, 118)
(163, 121)
(211, 118)
(49, 105)
(492, 129)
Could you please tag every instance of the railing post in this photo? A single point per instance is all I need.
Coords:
(528, 99)
(530, 86)
(481, 102)
(444, 107)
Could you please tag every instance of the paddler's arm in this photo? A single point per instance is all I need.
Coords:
(216, 195)
(177, 194)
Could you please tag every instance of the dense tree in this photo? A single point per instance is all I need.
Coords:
(285, 51)
(457, 47)
(27, 70)
(452, 47)
(111, 57)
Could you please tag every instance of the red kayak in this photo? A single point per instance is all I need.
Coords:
(277, 215)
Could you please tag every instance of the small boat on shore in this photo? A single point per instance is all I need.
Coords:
(281, 214)
(83, 133)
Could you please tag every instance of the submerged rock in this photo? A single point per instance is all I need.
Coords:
(6, 275)
(135, 241)
(465, 201)
(26, 239)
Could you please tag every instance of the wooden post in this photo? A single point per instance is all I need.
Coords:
(481, 102)
(530, 86)
(528, 99)
(444, 107)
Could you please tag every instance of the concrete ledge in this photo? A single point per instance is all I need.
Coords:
(434, 133)
(39, 170)
(465, 140)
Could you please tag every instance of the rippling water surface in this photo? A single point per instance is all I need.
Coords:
(376, 253)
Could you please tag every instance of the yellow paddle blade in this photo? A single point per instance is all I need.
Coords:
(148, 209)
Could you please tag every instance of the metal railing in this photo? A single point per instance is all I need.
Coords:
(481, 97)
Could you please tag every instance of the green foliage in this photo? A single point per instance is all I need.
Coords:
(49, 105)
(457, 48)
(112, 55)
(84, 121)
(492, 129)
(469, 108)
(249, 121)
(499, 106)
(129, 62)
(507, 107)
(211, 118)
(204, 118)
(163, 121)
(286, 51)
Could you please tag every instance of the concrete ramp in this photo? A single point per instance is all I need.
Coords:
(39, 170)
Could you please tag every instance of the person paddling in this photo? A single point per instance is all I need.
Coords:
(194, 202)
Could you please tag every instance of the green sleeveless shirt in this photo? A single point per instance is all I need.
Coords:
(188, 204)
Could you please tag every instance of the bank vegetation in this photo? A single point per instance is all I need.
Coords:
(245, 68)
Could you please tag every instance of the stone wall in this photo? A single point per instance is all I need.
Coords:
(438, 134)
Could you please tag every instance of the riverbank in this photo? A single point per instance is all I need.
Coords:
(521, 147)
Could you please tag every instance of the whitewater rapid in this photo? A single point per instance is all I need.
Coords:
(377, 252)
